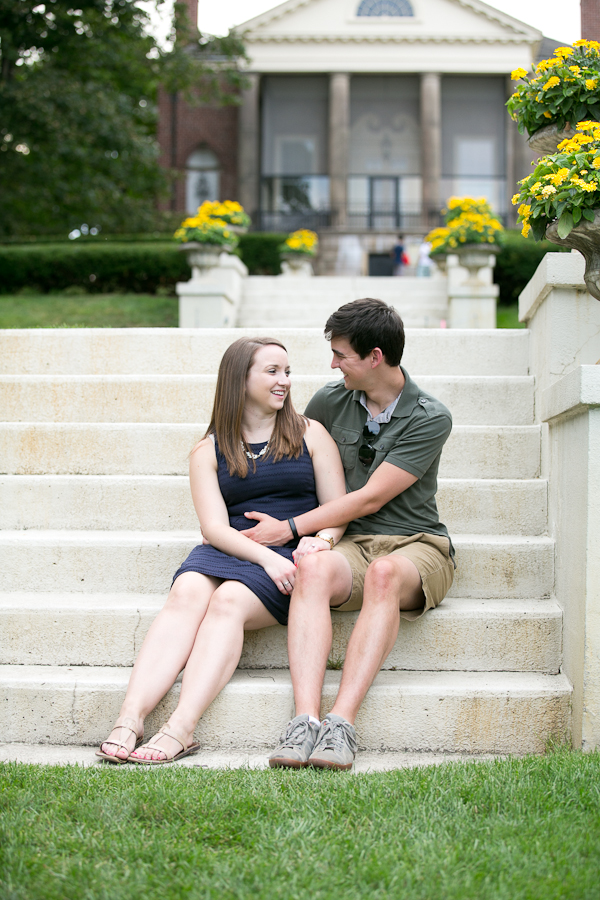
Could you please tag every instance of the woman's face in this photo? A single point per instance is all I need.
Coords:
(268, 380)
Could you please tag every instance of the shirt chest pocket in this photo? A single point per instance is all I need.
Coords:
(348, 441)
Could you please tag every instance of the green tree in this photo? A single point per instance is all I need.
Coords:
(78, 90)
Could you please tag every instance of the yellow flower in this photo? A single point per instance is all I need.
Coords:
(515, 199)
(536, 186)
(596, 162)
(551, 82)
(524, 210)
(518, 73)
(525, 229)
(575, 69)
(548, 190)
(590, 83)
(563, 52)
(547, 114)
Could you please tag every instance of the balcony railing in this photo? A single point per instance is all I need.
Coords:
(289, 202)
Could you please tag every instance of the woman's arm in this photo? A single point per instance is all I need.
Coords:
(330, 483)
(214, 519)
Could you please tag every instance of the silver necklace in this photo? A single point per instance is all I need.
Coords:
(251, 455)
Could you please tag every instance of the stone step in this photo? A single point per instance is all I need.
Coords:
(198, 351)
(508, 712)
(309, 301)
(365, 762)
(163, 502)
(30, 448)
(108, 630)
(472, 400)
(489, 566)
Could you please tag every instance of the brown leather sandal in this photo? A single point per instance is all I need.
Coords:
(129, 725)
(165, 731)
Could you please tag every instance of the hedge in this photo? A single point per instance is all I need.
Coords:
(516, 263)
(104, 266)
(115, 266)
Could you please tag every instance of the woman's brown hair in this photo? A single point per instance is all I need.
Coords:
(228, 408)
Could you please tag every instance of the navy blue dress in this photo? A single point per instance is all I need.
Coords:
(280, 489)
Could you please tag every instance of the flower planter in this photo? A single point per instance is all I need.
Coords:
(475, 257)
(585, 237)
(297, 264)
(547, 139)
(203, 257)
(440, 259)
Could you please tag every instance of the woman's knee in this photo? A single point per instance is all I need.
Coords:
(228, 600)
(189, 592)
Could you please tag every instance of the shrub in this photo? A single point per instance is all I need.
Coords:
(102, 266)
(259, 251)
(516, 263)
(99, 268)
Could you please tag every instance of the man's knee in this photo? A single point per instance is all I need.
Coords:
(322, 575)
(393, 578)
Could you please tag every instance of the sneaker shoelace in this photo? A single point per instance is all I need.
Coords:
(295, 735)
(336, 736)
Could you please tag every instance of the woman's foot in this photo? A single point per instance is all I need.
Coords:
(167, 745)
(123, 739)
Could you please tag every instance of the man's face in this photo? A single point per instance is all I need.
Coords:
(356, 371)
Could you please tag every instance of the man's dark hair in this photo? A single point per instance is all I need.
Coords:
(367, 324)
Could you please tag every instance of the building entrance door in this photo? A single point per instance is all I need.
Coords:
(384, 211)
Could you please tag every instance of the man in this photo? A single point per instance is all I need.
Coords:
(396, 558)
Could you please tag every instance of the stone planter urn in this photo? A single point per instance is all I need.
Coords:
(547, 139)
(202, 257)
(475, 257)
(440, 259)
(585, 237)
(298, 264)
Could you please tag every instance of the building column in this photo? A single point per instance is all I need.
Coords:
(431, 144)
(339, 140)
(249, 146)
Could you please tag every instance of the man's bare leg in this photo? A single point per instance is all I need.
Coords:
(323, 578)
(392, 583)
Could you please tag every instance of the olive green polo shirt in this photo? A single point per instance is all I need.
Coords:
(412, 440)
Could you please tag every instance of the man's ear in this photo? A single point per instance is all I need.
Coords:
(377, 357)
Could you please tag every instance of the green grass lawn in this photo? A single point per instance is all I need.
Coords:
(119, 311)
(508, 317)
(505, 830)
(87, 311)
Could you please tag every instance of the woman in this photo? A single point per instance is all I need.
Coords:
(259, 454)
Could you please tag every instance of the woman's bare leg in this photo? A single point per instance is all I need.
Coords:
(164, 653)
(233, 609)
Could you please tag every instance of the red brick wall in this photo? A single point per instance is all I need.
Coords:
(213, 127)
(590, 20)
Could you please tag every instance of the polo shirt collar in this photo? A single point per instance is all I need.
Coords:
(407, 401)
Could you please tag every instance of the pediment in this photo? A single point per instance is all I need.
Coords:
(338, 20)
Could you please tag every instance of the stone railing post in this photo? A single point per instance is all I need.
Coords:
(212, 299)
(564, 325)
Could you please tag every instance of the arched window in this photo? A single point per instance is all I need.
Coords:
(202, 178)
(385, 8)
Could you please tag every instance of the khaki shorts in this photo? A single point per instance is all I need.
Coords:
(429, 552)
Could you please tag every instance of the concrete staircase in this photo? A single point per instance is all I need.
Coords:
(297, 302)
(95, 516)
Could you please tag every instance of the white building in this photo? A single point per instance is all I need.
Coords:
(363, 116)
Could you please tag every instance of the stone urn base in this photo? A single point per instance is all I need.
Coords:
(202, 257)
(585, 237)
(475, 257)
(298, 264)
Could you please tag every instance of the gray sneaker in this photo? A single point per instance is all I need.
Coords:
(295, 744)
(336, 745)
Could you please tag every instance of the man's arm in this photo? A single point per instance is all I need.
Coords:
(386, 482)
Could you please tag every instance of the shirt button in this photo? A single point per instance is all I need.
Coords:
(422, 401)
(343, 440)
